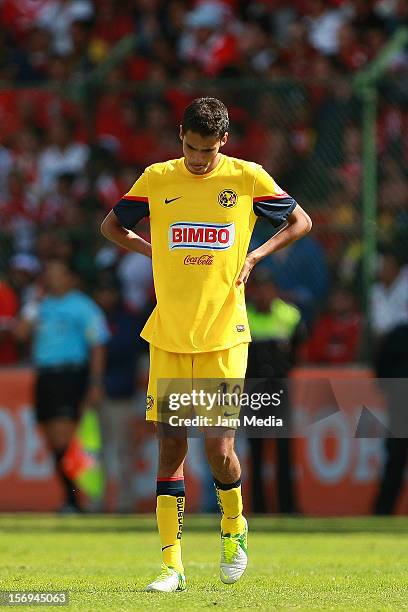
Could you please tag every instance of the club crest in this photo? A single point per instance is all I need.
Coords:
(149, 402)
(227, 198)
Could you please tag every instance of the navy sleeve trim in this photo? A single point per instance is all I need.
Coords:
(276, 210)
(129, 211)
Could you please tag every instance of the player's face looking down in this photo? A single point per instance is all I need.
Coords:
(201, 153)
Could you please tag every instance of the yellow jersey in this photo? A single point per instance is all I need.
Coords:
(201, 226)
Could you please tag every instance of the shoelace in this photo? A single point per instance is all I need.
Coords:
(229, 548)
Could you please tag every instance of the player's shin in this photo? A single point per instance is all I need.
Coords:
(170, 514)
(229, 499)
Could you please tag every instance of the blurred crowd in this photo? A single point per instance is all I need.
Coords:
(64, 39)
(72, 144)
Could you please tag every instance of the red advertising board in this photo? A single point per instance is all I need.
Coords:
(336, 474)
(26, 472)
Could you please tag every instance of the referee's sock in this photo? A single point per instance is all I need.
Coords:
(68, 484)
(229, 499)
(170, 513)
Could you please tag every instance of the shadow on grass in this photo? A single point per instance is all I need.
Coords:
(105, 523)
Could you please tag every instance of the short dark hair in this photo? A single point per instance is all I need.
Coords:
(207, 117)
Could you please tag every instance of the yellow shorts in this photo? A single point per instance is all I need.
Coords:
(176, 373)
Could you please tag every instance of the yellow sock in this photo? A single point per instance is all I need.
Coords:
(230, 503)
(170, 513)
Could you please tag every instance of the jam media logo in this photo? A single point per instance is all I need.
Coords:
(202, 260)
(227, 198)
(214, 236)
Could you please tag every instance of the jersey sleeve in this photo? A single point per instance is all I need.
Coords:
(270, 201)
(135, 204)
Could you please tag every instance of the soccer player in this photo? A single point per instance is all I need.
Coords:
(202, 208)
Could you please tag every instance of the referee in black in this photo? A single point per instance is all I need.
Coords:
(68, 333)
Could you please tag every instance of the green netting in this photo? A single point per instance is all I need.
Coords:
(307, 134)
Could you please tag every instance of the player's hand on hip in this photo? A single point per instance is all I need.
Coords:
(245, 272)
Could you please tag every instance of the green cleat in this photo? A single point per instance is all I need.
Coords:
(168, 581)
(234, 558)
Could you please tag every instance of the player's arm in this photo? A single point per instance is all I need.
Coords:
(119, 223)
(126, 238)
(297, 225)
(283, 212)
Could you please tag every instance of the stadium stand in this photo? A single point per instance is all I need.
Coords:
(284, 69)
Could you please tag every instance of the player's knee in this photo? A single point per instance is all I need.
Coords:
(172, 451)
(219, 453)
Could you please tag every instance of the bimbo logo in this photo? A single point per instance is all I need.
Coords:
(215, 236)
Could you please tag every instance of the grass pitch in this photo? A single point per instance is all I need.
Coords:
(295, 563)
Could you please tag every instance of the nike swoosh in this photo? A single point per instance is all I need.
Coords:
(168, 546)
(166, 201)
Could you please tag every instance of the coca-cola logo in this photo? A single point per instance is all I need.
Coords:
(202, 260)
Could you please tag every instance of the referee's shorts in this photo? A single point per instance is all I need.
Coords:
(59, 392)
